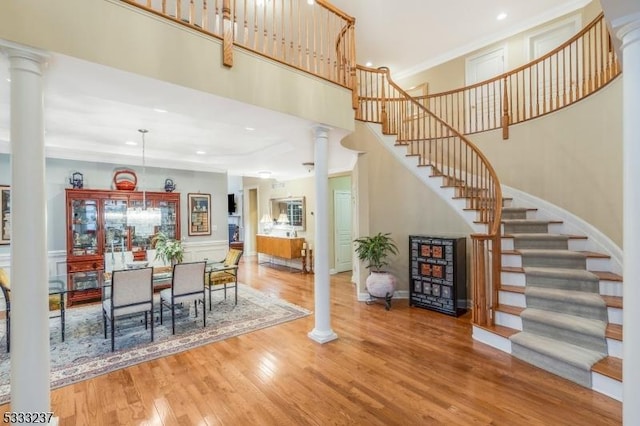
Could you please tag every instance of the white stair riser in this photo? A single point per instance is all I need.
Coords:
(507, 244)
(611, 288)
(512, 299)
(614, 347)
(614, 315)
(577, 244)
(508, 320)
(491, 339)
(513, 278)
(555, 228)
(607, 386)
(514, 260)
(598, 264)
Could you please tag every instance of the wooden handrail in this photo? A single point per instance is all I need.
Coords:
(450, 155)
(316, 38)
(565, 75)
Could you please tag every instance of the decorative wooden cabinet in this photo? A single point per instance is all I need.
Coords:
(438, 273)
(284, 247)
(97, 225)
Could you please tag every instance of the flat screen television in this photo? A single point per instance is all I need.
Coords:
(231, 203)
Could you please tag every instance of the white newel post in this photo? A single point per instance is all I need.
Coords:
(630, 36)
(30, 389)
(322, 331)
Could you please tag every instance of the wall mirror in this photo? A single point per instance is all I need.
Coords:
(289, 211)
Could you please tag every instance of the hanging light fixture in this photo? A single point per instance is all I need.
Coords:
(142, 218)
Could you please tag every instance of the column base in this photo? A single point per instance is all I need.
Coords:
(322, 336)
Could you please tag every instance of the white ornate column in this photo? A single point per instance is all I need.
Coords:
(30, 363)
(322, 331)
(629, 34)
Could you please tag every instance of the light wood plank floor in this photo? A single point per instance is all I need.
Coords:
(406, 366)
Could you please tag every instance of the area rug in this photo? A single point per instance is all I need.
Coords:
(85, 353)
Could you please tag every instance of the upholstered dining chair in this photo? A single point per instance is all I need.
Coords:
(187, 285)
(218, 280)
(131, 293)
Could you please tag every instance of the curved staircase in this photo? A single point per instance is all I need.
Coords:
(560, 304)
(560, 297)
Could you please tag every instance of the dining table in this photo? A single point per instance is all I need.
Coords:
(60, 285)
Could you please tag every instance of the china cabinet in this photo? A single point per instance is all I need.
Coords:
(97, 226)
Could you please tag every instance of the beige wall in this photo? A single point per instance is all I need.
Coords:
(390, 198)
(571, 158)
(451, 74)
(114, 34)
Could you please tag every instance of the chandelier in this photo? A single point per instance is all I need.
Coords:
(142, 218)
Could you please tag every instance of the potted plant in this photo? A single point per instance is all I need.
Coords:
(168, 250)
(375, 250)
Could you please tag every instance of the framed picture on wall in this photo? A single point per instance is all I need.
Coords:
(5, 214)
(199, 206)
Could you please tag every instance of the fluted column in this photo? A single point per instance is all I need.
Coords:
(322, 331)
(29, 294)
(629, 34)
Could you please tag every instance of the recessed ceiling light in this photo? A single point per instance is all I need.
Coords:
(310, 1)
(369, 64)
(8, 79)
(264, 174)
(159, 110)
(200, 152)
(501, 16)
(132, 143)
(251, 129)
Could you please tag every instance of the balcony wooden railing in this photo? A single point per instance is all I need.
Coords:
(569, 73)
(450, 155)
(317, 38)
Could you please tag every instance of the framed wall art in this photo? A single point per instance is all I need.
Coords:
(199, 206)
(5, 214)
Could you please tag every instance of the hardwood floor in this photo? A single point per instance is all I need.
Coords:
(406, 366)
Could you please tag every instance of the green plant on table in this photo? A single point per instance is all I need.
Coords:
(168, 250)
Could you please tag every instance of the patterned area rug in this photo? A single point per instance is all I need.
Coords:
(85, 353)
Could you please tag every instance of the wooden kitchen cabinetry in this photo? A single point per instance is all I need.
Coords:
(284, 247)
(97, 225)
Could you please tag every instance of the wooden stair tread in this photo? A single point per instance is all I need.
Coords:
(606, 275)
(570, 236)
(614, 331)
(613, 301)
(538, 220)
(590, 254)
(512, 288)
(509, 309)
(513, 269)
(610, 367)
(500, 330)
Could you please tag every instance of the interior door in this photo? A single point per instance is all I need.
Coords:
(342, 230)
(483, 111)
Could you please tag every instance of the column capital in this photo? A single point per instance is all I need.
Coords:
(24, 57)
(320, 131)
(629, 31)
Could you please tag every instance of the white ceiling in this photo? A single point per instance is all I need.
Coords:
(91, 110)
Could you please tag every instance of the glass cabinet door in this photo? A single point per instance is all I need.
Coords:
(116, 237)
(168, 224)
(84, 227)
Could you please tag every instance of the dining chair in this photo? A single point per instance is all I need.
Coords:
(6, 293)
(187, 285)
(131, 293)
(218, 280)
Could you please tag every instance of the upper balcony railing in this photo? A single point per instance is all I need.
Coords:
(309, 35)
(567, 74)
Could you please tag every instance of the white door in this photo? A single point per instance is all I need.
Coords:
(342, 229)
(483, 107)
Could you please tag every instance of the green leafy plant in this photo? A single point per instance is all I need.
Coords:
(167, 249)
(375, 250)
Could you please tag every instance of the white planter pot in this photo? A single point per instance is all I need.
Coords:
(381, 284)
